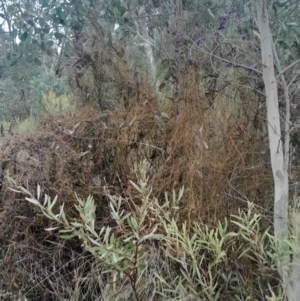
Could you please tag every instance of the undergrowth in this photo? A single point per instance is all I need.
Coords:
(146, 253)
(153, 246)
(93, 153)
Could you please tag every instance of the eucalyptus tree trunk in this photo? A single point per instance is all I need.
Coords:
(142, 31)
(179, 99)
(3, 43)
(288, 268)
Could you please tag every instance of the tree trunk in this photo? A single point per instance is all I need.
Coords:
(141, 28)
(290, 273)
(3, 43)
(179, 97)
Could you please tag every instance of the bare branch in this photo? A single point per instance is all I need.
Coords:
(287, 111)
(287, 68)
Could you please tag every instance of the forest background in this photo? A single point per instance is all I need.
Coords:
(138, 150)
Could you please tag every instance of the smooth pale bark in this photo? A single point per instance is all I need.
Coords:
(288, 269)
(142, 31)
(179, 88)
(138, 14)
(287, 112)
(3, 44)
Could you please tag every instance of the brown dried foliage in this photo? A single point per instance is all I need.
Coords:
(216, 148)
(213, 150)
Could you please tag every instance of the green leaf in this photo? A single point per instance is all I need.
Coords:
(62, 21)
(135, 186)
(43, 45)
(50, 43)
(30, 22)
(24, 190)
(180, 193)
(76, 224)
(134, 224)
(141, 267)
(106, 235)
(63, 215)
(24, 36)
(38, 192)
(37, 61)
(141, 253)
(51, 205)
(65, 230)
(51, 229)
(127, 264)
(122, 10)
(46, 29)
(33, 201)
(114, 258)
(59, 35)
(14, 190)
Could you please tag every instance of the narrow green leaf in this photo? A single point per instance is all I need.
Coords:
(65, 230)
(107, 232)
(24, 36)
(95, 242)
(51, 205)
(181, 191)
(24, 190)
(33, 201)
(38, 192)
(51, 229)
(63, 215)
(134, 223)
(14, 190)
(114, 258)
(75, 224)
(59, 35)
(136, 186)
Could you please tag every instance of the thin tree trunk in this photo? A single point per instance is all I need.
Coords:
(179, 100)
(290, 273)
(142, 31)
(3, 43)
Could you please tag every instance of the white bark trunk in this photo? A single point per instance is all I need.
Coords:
(275, 138)
(143, 33)
(289, 271)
